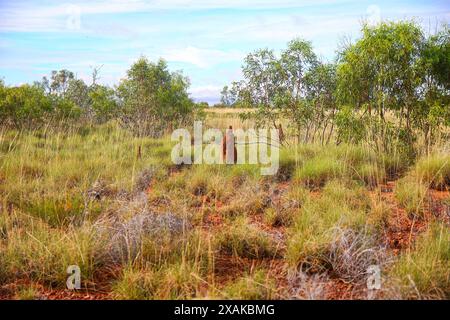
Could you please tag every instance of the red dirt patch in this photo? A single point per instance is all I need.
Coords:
(402, 229)
(10, 291)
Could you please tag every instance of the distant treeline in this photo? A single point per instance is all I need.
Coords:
(147, 101)
(388, 88)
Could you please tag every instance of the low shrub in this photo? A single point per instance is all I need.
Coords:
(243, 239)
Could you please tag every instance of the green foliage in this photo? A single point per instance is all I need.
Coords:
(59, 81)
(65, 109)
(390, 76)
(23, 106)
(227, 99)
(149, 101)
(424, 271)
(385, 89)
(296, 87)
(103, 103)
(78, 92)
(351, 128)
(152, 98)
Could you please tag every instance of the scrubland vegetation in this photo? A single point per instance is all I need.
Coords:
(364, 180)
(144, 228)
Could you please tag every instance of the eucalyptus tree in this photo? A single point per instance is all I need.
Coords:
(261, 87)
(295, 63)
(58, 82)
(320, 90)
(152, 99)
(69, 96)
(103, 103)
(78, 92)
(433, 110)
(226, 98)
(277, 86)
(378, 75)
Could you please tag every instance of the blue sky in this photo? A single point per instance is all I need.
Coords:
(206, 39)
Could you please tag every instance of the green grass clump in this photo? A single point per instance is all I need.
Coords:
(219, 188)
(198, 183)
(394, 164)
(33, 250)
(175, 281)
(56, 212)
(370, 173)
(243, 239)
(271, 217)
(249, 198)
(348, 192)
(243, 171)
(27, 293)
(296, 193)
(255, 286)
(312, 231)
(411, 194)
(288, 161)
(315, 165)
(167, 270)
(278, 217)
(316, 172)
(379, 213)
(353, 155)
(236, 208)
(434, 170)
(134, 284)
(424, 271)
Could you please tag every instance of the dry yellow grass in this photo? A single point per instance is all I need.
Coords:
(228, 110)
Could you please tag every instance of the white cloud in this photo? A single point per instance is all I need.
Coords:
(202, 58)
(54, 16)
(209, 94)
(285, 28)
